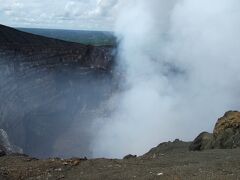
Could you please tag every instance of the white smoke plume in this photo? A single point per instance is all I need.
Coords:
(181, 62)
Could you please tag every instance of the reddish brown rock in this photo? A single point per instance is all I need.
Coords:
(230, 120)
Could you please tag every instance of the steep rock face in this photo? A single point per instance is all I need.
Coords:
(226, 134)
(18, 47)
(50, 91)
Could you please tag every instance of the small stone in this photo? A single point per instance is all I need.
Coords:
(76, 163)
(61, 177)
(58, 169)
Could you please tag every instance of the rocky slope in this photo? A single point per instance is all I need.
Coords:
(49, 90)
(170, 160)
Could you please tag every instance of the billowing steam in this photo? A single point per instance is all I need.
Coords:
(181, 61)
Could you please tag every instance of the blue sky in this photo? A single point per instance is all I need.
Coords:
(63, 14)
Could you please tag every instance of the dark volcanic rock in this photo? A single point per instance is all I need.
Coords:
(167, 147)
(129, 156)
(226, 134)
(2, 152)
(203, 141)
(50, 91)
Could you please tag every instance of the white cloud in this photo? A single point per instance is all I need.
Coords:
(104, 7)
(73, 14)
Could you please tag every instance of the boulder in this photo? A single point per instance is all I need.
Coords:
(230, 120)
(130, 156)
(226, 134)
(2, 152)
(203, 141)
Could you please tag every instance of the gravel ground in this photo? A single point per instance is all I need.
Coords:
(167, 161)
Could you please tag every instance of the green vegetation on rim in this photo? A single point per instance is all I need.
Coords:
(96, 38)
